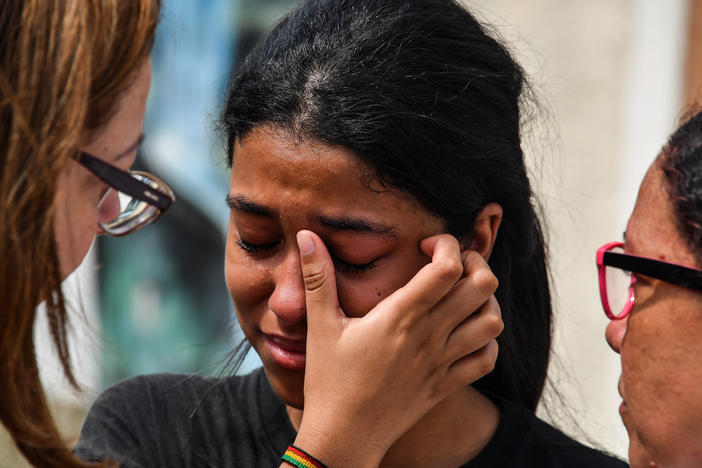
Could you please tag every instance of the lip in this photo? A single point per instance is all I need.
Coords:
(623, 408)
(620, 388)
(286, 352)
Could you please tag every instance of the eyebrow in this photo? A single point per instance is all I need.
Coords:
(131, 148)
(344, 223)
(242, 204)
(357, 224)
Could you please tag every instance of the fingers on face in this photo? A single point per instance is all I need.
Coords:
(470, 293)
(431, 283)
(472, 367)
(475, 332)
(471, 349)
(318, 277)
(449, 304)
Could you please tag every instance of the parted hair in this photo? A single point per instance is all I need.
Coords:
(425, 95)
(63, 66)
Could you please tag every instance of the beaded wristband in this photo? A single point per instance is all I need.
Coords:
(301, 459)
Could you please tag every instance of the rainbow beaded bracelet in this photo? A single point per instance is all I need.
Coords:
(301, 459)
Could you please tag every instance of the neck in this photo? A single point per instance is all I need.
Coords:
(452, 433)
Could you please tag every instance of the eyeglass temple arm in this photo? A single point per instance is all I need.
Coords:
(669, 272)
(125, 183)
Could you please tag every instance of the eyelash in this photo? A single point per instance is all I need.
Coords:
(338, 263)
(255, 248)
(350, 267)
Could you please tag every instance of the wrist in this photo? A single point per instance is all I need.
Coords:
(338, 450)
(301, 459)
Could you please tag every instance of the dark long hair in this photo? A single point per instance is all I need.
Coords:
(422, 93)
(682, 169)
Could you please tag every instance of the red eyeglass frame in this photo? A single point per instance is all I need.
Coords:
(673, 273)
(601, 268)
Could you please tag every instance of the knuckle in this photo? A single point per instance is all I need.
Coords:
(404, 327)
(314, 280)
(494, 324)
(486, 367)
(485, 280)
(495, 349)
(487, 362)
(469, 256)
(416, 335)
(451, 270)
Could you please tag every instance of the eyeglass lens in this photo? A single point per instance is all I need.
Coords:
(618, 283)
(119, 213)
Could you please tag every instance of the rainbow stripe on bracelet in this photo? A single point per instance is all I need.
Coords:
(301, 459)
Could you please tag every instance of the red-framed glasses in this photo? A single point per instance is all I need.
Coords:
(616, 280)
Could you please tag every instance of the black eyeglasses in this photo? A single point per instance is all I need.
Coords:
(133, 200)
(615, 270)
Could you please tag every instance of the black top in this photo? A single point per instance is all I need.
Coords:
(167, 420)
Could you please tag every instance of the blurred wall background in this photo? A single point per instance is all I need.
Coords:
(612, 77)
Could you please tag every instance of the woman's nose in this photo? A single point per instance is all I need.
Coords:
(288, 298)
(614, 334)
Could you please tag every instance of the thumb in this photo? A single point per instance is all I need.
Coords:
(320, 282)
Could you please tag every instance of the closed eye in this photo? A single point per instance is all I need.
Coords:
(350, 267)
(256, 248)
(340, 265)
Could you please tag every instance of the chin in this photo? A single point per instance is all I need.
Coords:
(288, 385)
(639, 457)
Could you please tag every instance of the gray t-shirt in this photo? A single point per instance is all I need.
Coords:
(173, 421)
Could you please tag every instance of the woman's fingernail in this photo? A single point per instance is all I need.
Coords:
(305, 243)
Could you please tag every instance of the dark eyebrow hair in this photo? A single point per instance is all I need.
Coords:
(242, 204)
(357, 224)
(345, 223)
(131, 148)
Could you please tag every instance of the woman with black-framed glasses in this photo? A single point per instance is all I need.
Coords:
(651, 289)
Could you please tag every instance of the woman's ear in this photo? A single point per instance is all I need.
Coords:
(487, 223)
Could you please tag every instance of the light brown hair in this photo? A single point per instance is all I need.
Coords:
(63, 66)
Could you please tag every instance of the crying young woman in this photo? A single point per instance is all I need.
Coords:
(378, 196)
